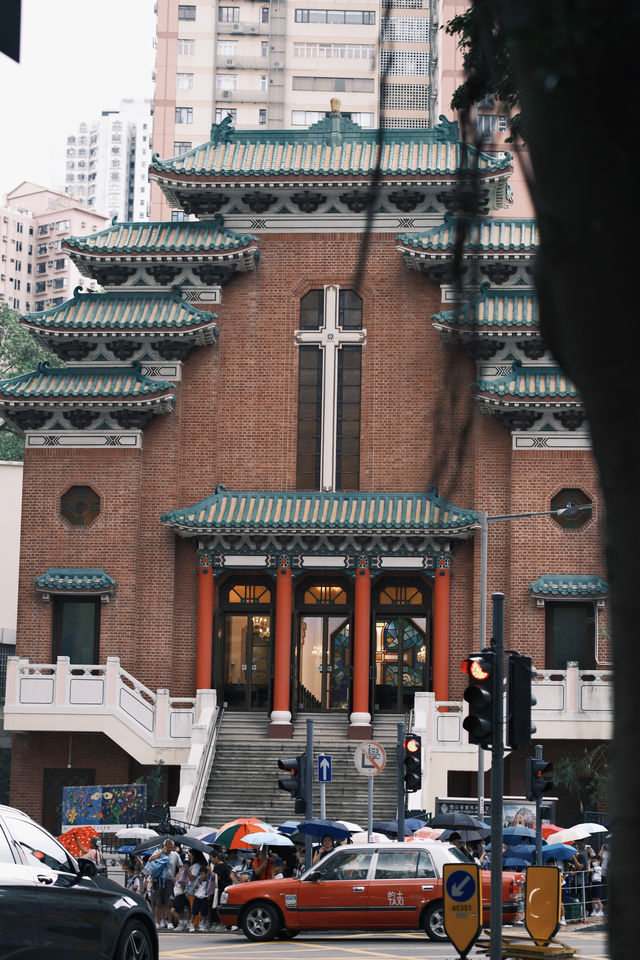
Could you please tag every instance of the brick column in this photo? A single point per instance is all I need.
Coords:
(441, 621)
(281, 726)
(360, 727)
(204, 635)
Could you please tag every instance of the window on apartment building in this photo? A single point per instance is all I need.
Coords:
(41, 286)
(304, 15)
(39, 305)
(186, 11)
(186, 48)
(491, 123)
(228, 14)
(184, 81)
(63, 225)
(223, 112)
(262, 117)
(264, 48)
(60, 264)
(263, 83)
(178, 216)
(264, 15)
(41, 249)
(76, 628)
(570, 634)
(342, 84)
(184, 115)
(342, 51)
(227, 48)
(226, 81)
(59, 283)
(43, 230)
(41, 267)
(180, 147)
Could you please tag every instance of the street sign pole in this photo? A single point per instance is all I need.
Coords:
(308, 773)
(497, 775)
(401, 799)
(538, 816)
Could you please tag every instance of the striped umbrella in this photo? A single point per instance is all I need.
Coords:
(231, 835)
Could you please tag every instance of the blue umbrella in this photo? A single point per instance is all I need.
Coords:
(391, 826)
(557, 851)
(513, 835)
(128, 848)
(516, 863)
(525, 850)
(289, 827)
(322, 828)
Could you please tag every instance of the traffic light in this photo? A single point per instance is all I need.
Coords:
(295, 783)
(538, 778)
(480, 697)
(520, 700)
(412, 763)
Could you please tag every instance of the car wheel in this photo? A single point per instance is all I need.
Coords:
(260, 922)
(288, 934)
(433, 922)
(134, 943)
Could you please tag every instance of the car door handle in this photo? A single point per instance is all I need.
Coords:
(428, 886)
(358, 889)
(43, 878)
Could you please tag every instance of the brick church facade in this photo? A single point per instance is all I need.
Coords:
(260, 468)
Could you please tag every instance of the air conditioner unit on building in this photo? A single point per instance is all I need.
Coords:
(235, 26)
(254, 28)
(226, 93)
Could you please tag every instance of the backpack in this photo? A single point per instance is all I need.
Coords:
(157, 869)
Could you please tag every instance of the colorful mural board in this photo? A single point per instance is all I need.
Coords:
(104, 806)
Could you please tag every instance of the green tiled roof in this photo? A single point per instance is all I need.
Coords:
(487, 234)
(530, 382)
(493, 308)
(69, 579)
(185, 237)
(121, 312)
(84, 384)
(568, 585)
(237, 511)
(333, 146)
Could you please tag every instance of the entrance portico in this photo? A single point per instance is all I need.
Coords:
(320, 558)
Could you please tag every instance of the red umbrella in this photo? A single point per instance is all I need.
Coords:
(549, 828)
(71, 837)
(231, 835)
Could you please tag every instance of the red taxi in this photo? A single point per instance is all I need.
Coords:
(366, 887)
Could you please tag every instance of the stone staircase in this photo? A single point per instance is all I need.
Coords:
(244, 774)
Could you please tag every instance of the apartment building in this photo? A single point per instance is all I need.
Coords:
(278, 65)
(35, 272)
(106, 162)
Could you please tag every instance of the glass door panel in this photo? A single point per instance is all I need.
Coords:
(247, 649)
(338, 664)
(311, 675)
(325, 663)
(401, 661)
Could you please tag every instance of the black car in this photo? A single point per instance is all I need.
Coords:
(52, 905)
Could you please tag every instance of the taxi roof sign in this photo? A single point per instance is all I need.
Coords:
(462, 895)
(542, 903)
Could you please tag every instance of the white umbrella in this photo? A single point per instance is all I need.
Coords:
(364, 837)
(137, 833)
(569, 835)
(267, 839)
(591, 827)
(353, 827)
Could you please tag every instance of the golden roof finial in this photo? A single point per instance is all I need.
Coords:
(335, 105)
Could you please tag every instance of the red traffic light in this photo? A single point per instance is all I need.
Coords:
(477, 667)
(412, 745)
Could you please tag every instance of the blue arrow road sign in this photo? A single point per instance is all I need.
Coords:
(324, 768)
(461, 885)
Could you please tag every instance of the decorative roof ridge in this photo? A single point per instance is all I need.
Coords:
(83, 579)
(566, 584)
(77, 371)
(216, 223)
(520, 369)
(452, 219)
(174, 295)
(465, 313)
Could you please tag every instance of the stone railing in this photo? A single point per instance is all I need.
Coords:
(105, 698)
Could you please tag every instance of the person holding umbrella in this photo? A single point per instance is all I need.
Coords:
(326, 846)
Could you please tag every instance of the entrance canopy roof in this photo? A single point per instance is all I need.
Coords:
(330, 521)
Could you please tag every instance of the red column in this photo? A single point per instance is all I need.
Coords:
(441, 621)
(360, 719)
(280, 725)
(204, 637)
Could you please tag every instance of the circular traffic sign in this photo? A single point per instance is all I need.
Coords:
(461, 886)
(369, 758)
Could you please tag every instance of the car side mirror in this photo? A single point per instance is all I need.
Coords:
(87, 868)
(314, 876)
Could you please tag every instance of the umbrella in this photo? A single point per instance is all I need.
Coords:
(351, 827)
(206, 834)
(289, 827)
(591, 827)
(557, 851)
(70, 839)
(456, 821)
(183, 841)
(525, 851)
(429, 833)
(231, 835)
(127, 848)
(137, 833)
(515, 863)
(265, 838)
(513, 835)
(469, 836)
(569, 835)
(549, 828)
(322, 828)
(365, 837)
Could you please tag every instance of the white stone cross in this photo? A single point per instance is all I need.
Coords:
(330, 338)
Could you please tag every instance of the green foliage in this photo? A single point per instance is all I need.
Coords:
(584, 776)
(154, 780)
(19, 353)
(484, 43)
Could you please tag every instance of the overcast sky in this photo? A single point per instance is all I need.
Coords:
(78, 57)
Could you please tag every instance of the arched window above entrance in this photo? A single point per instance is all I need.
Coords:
(401, 595)
(325, 593)
(248, 593)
